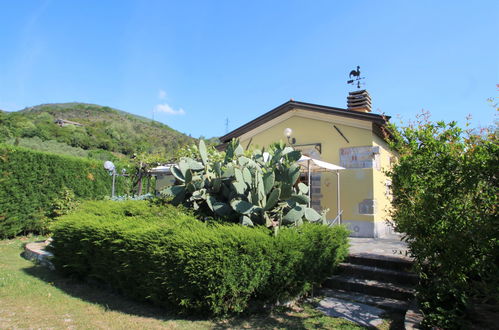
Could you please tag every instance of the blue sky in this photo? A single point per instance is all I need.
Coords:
(196, 63)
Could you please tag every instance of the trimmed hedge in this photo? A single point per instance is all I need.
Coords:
(31, 181)
(161, 255)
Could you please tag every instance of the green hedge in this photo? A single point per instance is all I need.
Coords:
(31, 181)
(445, 200)
(161, 255)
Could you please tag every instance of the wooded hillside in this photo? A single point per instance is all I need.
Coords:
(103, 130)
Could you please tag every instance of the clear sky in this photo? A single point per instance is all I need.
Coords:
(196, 63)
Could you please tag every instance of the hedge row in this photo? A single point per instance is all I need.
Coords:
(161, 255)
(30, 182)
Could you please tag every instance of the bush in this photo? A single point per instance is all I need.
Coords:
(445, 201)
(52, 146)
(161, 255)
(32, 181)
(261, 189)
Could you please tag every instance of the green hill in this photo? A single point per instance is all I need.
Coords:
(102, 130)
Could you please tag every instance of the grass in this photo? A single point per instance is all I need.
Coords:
(31, 296)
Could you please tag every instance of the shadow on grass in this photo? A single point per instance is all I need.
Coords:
(113, 301)
(100, 295)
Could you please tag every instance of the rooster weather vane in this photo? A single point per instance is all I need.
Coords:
(356, 77)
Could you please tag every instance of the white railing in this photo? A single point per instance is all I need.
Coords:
(331, 223)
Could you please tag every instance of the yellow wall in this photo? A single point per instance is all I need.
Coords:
(381, 194)
(356, 184)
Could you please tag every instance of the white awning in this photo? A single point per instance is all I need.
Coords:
(311, 165)
(317, 165)
(161, 170)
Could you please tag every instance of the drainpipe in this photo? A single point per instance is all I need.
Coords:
(338, 195)
(309, 185)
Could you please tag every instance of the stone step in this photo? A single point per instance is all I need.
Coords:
(36, 251)
(392, 263)
(370, 287)
(376, 273)
(387, 304)
(365, 315)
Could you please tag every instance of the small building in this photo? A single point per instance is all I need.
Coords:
(353, 138)
(164, 177)
(64, 122)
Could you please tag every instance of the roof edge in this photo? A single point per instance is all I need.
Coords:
(289, 105)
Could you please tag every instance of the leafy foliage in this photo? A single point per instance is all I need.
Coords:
(259, 189)
(51, 146)
(161, 255)
(445, 201)
(64, 203)
(37, 186)
(131, 198)
(103, 128)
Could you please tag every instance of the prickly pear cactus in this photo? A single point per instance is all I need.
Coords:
(253, 190)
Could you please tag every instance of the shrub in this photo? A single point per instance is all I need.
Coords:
(303, 257)
(445, 201)
(31, 182)
(161, 255)
(52, 146)
(259, 189)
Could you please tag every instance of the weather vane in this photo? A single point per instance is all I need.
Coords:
(356, 77)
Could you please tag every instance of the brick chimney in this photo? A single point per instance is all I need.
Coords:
(359, 101)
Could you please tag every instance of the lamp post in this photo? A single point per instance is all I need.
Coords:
(108, 165)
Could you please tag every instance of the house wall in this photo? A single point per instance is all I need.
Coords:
(357, 185)
(382, 190)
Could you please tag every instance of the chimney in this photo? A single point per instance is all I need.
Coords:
(359, 101)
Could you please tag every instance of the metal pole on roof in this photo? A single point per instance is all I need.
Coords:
(338, 195)
(309, 186)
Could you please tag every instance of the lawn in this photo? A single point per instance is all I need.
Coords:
(32, 296)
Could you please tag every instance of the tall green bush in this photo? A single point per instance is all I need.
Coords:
(445, 200)
(161, 255)
(31, 182)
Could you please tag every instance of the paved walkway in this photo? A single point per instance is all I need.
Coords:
(365, 315)
(379, 248)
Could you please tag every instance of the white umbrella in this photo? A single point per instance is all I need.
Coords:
(319, 165)
(315, 165)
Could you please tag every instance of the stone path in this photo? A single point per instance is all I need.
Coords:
(379, 248)
(362, 314)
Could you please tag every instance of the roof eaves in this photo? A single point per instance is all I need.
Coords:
(289, 105)
(263, 118)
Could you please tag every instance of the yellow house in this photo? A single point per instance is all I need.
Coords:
(352, 138)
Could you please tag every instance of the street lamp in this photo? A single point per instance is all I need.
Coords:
(108, 165)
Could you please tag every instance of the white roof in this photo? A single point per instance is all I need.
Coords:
(317, 165)
(161, 169)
